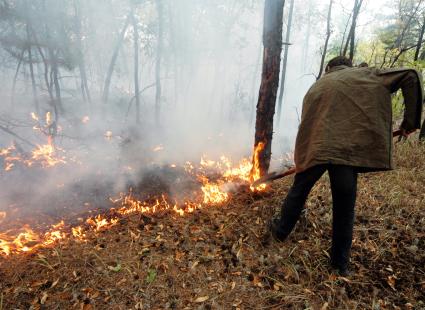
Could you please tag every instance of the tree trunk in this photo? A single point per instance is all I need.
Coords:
(136, 64)
(54, 73)
(254, 89)
(352, 34)
(31, 65)
(285, 62)
(421, 37)
(111, 67)
(18, 67)
(272, 41)
(171, 30)
(306, 47)
(81, 61)
(328, 35)
(343, 48)
(158, 61)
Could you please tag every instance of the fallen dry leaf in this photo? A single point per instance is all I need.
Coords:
(201, 299)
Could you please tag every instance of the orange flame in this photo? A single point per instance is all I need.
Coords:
(255, 171)
(210, 193)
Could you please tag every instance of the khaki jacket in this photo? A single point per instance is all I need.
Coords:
(347, 117)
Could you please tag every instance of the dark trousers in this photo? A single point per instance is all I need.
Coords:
(344, 190)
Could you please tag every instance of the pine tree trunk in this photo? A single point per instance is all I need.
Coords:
(136, 64)
(105, 95)
(158, 61)
(272, 41)
(285, 62)
(421, 37)
(31, 65)
(328, 35)
(81, 63)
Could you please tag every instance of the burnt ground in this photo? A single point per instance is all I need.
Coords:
(218, 257)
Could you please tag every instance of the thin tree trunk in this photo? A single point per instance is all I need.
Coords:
(254, 85)
(136, 64)
(285, 62)
(158, 61)
(306, 47)
(55, 70)
(18, 67)
(81, 61)
(328, 35)
(343, 48)
(45, 63)
(172, 36)
(272, 41)
(351, 39)
(31, 65)
(421, 37)
(111, 67)
(54, 79)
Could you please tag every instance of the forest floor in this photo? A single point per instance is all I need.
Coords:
(218, 257)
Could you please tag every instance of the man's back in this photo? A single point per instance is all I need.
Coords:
(347, 118)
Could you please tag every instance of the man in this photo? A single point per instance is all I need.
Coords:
(346, 128)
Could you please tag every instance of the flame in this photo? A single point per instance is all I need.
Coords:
(100, 222)
(34, 116)
(211, 192)
(48, 119)
(255, 172)
(85, 119)
(45, 154)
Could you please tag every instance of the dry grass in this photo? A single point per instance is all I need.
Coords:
(217, 258)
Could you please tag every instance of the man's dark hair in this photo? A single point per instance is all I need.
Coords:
(339, 61)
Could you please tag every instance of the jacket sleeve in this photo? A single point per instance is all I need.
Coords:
(410, 83)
